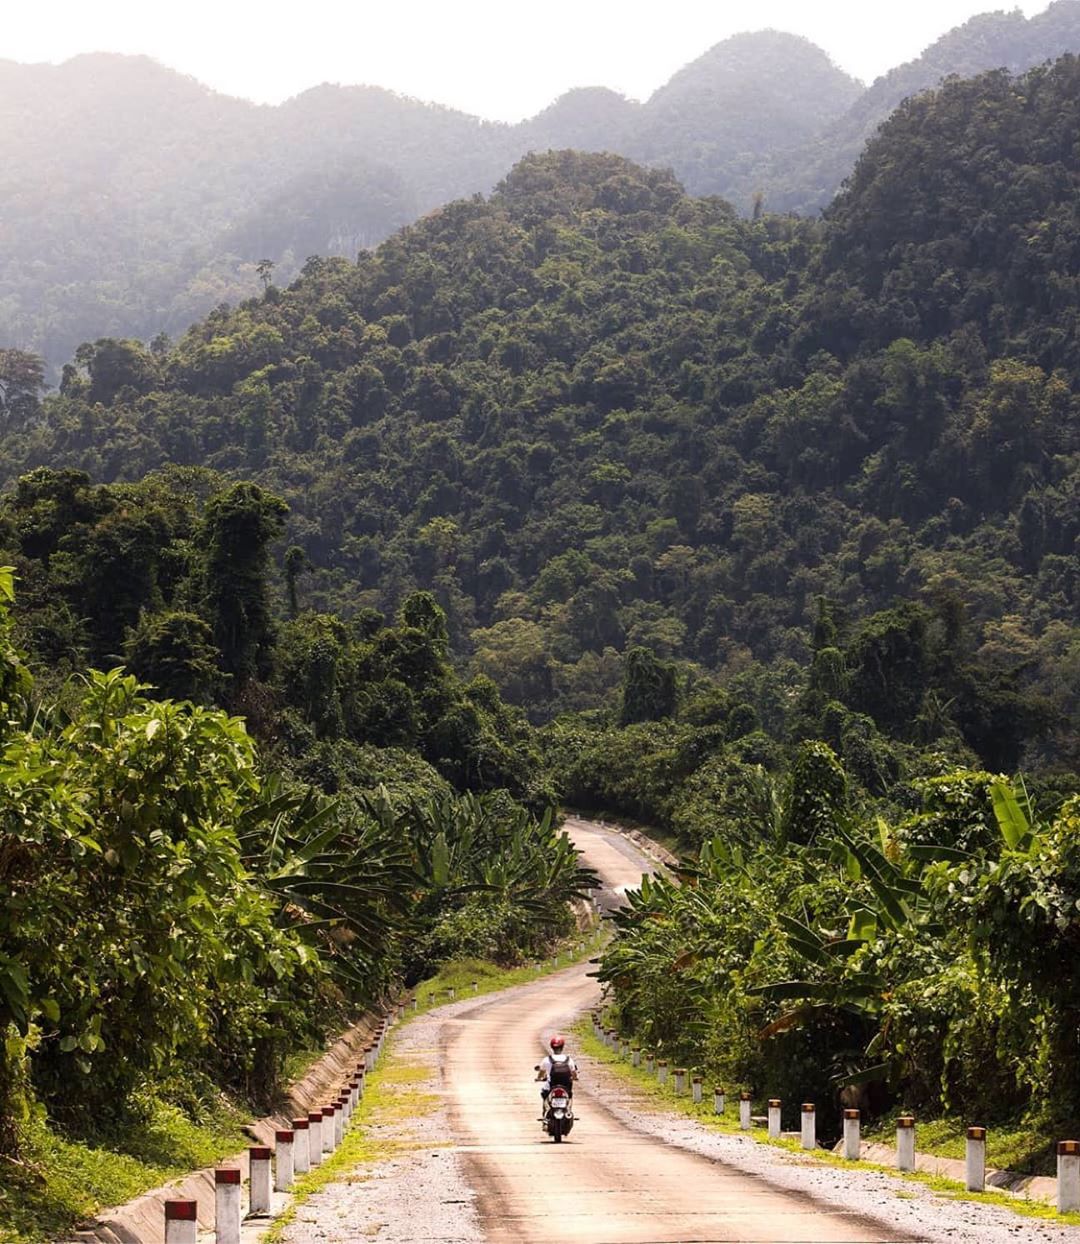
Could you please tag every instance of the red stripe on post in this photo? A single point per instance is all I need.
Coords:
(259, 1154)
(315, 1116)
(808, 1107)
(328, 1112)
(299, 1125)
(905, 1120)
(181, 1211)
(283, 1137)
(227, 1175)
(851, 1114)
(1068, 1148)
(976, 1133)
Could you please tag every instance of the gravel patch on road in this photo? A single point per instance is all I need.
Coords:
(420, 1197)
(905, 1205)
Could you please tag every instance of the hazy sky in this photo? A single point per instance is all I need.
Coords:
(500, 58)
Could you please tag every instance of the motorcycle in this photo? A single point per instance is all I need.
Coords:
(559, 1114)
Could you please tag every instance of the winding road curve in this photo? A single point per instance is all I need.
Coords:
(478, 1170)
(615, 1183)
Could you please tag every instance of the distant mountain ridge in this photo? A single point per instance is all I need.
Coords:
(133, 199)
(806, 180)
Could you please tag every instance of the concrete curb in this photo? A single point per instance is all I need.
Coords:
(1031, 1187)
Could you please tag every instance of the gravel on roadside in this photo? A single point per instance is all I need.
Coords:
(419, 1197)
(906, 1205)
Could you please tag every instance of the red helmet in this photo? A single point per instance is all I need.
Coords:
(557, 1042)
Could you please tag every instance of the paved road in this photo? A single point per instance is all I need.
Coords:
(608, 1182)
(473, 1167)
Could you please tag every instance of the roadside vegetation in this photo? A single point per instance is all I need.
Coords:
(179, 918)
(935, 1138)
(764, 531)
(838, 952)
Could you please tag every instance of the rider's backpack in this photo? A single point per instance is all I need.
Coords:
(561, 1074)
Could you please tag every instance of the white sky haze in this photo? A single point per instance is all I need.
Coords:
(501, 59)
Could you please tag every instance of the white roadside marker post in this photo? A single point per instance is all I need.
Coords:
(259, 1166)
(774, 1118)
(745, 1101)
(635, 1056)
(227, 1204)
(181, 1222)
(696, 1089)
(328, 1145)
(975, 1159)
(301, 1153)
(284, 1159)
(680, 1081)
(905, 1143)
(1068, 1176)
(662, 1071)
(809, 1125)
(852, 1135)
(315, 1138)
(719, 1101)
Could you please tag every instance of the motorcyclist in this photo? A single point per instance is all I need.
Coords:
(557, 1070)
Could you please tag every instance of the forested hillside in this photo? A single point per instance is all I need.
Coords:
(593, 413)
(135, 200)
(805, 177)
(189, 897)
(769, 525)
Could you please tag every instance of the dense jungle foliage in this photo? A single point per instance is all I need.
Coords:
(592, 414)
(771, 528)
(135, 199)
(818, 950)
(190, 896)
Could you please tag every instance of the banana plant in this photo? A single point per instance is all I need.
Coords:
(344, 882)
(889, 902)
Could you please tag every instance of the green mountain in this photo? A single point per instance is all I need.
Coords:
(805, 177)
(593, 413)
(135, 200)
(747, 97)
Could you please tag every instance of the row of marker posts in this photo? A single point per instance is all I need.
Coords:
(1068, 1151)
(298, 1149)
